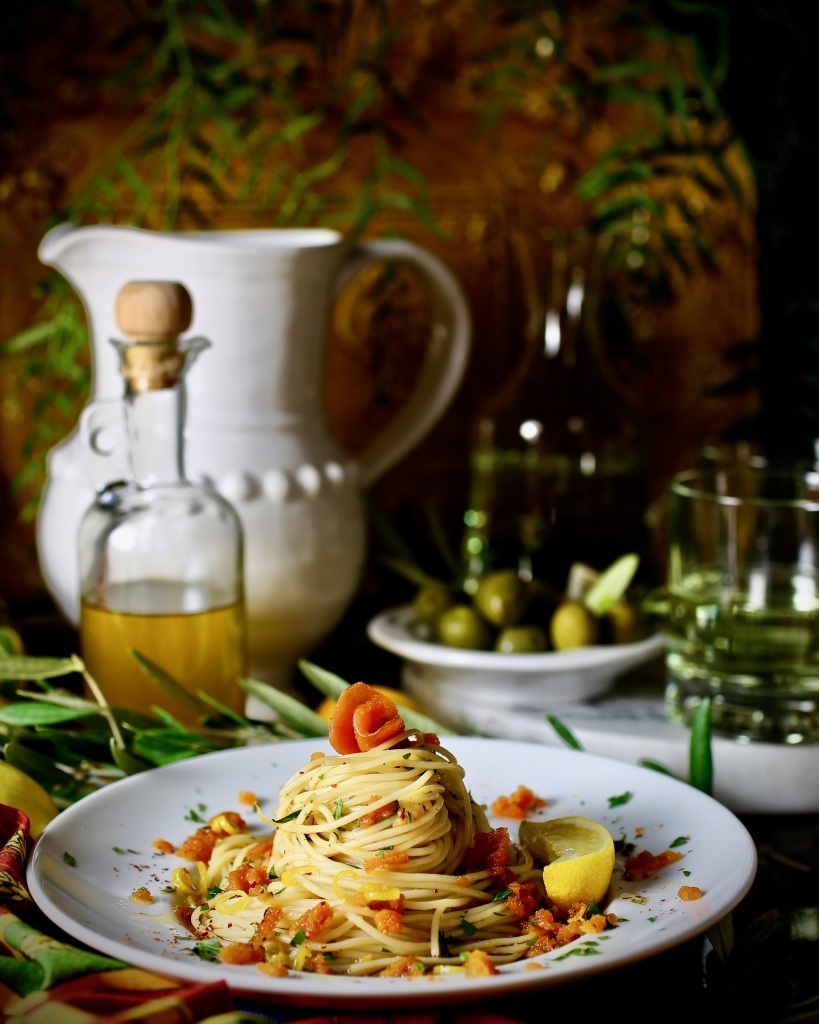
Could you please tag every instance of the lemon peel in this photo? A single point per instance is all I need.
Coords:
(578, 855)
(20, 791)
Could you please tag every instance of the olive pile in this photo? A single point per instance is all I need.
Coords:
(513, 616)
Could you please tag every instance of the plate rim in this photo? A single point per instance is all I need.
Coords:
(274, 990)
(388, 629)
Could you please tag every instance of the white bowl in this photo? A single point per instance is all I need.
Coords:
(446, 676)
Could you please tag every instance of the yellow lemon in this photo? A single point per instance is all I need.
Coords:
(578, 854)
(18, 790)
(402, 700)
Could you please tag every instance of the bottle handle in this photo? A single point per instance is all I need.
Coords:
(446, 357)
(102, 436)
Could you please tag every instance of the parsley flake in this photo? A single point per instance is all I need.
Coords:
(618, 801)
(444, 945)
(593, 910)
(116, 849)
(329, 956)
(272, 873)
(213, 892)
(679, 841)
(298, 938)
(193, 816)
(69, 860)
(338, 810)
(579, 951)
(502, 895)
(467, 927)
(406, 757)
(686, 873)
(207, 949)
(287, 817)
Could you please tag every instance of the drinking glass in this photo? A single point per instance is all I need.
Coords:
(743, 575)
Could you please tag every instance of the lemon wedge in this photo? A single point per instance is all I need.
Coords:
(18, 790)
(578, 855)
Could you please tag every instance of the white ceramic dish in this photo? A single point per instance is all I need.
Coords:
(505, 681)
(91, 900)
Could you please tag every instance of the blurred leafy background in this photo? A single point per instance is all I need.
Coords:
(307, 112)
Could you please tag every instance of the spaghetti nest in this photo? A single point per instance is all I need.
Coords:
(380, 862)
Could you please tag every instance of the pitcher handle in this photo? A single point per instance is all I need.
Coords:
(446, 358)
(102, 434)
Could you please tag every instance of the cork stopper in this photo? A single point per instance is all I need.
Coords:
(152, 314)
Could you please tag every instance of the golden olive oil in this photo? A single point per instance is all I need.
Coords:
(200, 649)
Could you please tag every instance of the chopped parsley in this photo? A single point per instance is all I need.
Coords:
(201, 807)
(287, 817)
(298, 938)
(193, 816)
(444, 945)
(618, 801)
(619, 844)
(622, 920)
(579, 951)
(213, 892)
(207, 949)
(280, 891)
(652, 919)
(468, 927)
(272, 873)
(320, 778)
(679, 841)
(329, 956)
(406, 756)
(386, 848)
(502, 895)
(593, 910)
(686, 873)
(384, 949)
(170, 889)
(531, 942)
(409, 816)
(338, 810)
(69, 860)
(116, 849)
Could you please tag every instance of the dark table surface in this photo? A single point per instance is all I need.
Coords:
(772, 973)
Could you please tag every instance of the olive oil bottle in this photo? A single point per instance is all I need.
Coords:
(160, 558)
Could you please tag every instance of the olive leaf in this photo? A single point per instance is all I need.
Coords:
(39, 767)
(292, 711)
(167, 682)
(19, 667)
(127, 761)
(22, 715)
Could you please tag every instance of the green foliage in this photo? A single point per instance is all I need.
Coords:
(260, 106)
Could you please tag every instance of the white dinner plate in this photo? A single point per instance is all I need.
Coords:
(90, 899)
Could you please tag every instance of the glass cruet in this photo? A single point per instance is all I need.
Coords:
(160, 558)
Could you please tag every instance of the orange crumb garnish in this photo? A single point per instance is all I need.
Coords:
(314, 921)
(533, 967)
(317, 755)
(518, 805)
(646, 864)
(463, 880)
(402, 967)
(373, 817)
(273, 970)
(142, 895)
(240, 953)
(388, 922)
(478, 964)
(689, 892)
(162, 845)
(247, 799)
(388, 860)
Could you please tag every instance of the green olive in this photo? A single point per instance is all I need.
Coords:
(461, 626)
(502, 598)
(431, 602)
(625, 622)
(572, 626)
(521, 640)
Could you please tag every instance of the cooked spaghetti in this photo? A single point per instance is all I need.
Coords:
(380, 863)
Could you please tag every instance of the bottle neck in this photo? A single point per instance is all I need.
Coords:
(155, 422)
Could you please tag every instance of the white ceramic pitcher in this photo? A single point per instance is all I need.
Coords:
(255, 425)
